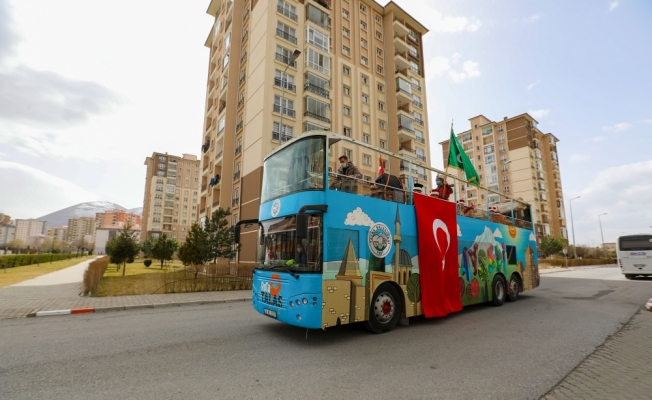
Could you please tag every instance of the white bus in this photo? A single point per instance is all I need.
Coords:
(634, 254)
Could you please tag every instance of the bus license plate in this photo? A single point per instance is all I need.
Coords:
(639, 265)
(269, 313)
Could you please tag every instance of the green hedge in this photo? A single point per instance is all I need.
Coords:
(19, 260)
(556, 262)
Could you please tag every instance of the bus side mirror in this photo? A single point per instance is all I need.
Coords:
(236, 234)
(302, 226)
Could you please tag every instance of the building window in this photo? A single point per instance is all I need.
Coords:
(381, 125)
(365, 118)
(363, 25)
(318, 61)
(365, 138)
(318, 16)
(346, 70)
(364, 61)
(347, 111)
(365, 98)
(365, 80)
(288, 106)
(345, 14)
(367, 178)
(284, 80)
(317, 109)
(346, 51)
(379, 69)
(381, 88)
(225, 62)
(377, 18)
(381, 106)
(318, 39)
(382, 144)
(379, 35)
(379, 52)
(287, 131)
(366, 159)
(346, 32)
(363, 43)
(363, 8)
(347, 90)
(347, 132)
(347, 153)
(500, 128)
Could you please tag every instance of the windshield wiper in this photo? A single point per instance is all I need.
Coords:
(282, 268)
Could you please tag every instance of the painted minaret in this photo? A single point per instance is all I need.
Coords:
(397, 246)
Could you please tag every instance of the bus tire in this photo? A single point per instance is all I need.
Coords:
(630, 276)
(498, 291)
(514, 288)
(385, 309)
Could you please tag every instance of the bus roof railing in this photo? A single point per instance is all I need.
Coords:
(336, 137)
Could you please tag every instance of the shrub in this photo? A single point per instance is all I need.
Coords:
(19, 260)
(147, 262)
(93, 275)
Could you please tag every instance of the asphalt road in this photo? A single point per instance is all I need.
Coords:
(518, 351)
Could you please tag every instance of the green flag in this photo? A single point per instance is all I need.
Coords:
(457, 158)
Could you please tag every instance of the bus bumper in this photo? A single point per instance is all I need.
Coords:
(294, 300)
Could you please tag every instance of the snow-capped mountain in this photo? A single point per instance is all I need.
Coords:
(486, 237)
(88, 209)
(137, 211)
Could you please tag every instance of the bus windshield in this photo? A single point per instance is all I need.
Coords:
(635, 243)
(278, 245)
(298, 167)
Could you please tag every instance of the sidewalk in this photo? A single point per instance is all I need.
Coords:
(543, 271)
(619, 369)
(60, 291)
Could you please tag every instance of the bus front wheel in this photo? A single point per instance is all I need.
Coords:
(498, 291)
(630, 276)
(385, 309)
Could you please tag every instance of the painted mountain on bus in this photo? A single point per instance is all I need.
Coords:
(87, 209)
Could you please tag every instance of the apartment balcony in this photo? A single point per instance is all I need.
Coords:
(287, 13)
(417, 120)
(246, 15)
(241, 102)
(238, 151)
(276, 136)
(403, 97)
(285, 60)
(202, 211)
(285, 35)
(235, 202)
(286, 111)
(405, 133)
(316, 90)
(236, 176)
(413, 38)
(406, 151)
(422, 140)
(245, 36)
(399, 27)
(291, 87)
(421, 158)
(418, 104)
(242, 80)
(324, 3)
(218, 158)
(400, 44)
(221, 108)
(317, 117)
(243, 58)
(416, 86)
(238, 126)
(204, 187)
(216, 204)
(400, 60)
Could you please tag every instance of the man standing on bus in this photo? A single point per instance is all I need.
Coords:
(346, 169)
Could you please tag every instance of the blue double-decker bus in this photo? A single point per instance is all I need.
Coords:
(333, 250)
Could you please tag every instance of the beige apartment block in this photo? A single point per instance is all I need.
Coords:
(171, 197)
(7, 234)
(58, 233)
(117, 219)
(359, 72)
(80, 230)
(514, 157)
(26, 228)
(5, 219)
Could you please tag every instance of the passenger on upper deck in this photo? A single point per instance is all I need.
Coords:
(346, 169)
(443, 189)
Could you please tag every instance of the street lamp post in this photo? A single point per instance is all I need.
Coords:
(570, 203)
(295, 55)
(604, 251)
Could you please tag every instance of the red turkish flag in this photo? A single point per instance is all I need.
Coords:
(381, 169)
(438, 261)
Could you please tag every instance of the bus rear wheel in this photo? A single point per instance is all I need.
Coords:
(630, 276)
(514, 288)
(498, 291)
(385, 309)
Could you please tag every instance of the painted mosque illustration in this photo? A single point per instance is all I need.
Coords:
(346, 299)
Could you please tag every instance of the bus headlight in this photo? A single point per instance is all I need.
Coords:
(304, 301)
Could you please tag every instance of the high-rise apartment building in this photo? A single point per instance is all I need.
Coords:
(5, 219)
(26, 228)
(58, 233)
(171, 202)
(81, 230)
(278, 68)
(514, 157)
(117, 219)
(7, 234)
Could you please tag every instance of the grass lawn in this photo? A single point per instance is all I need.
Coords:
(10, 276)
(138, 279)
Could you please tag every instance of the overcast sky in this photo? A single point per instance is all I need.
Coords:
(88, 89)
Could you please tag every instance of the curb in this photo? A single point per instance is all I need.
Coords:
(36, 313)
(648, 305)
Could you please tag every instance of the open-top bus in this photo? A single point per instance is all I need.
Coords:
(634, 253)
(359, 251)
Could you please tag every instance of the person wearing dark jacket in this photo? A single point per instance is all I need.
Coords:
(346, 169)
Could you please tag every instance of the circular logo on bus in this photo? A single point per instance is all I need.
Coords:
(276, 207)
(379, 240)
